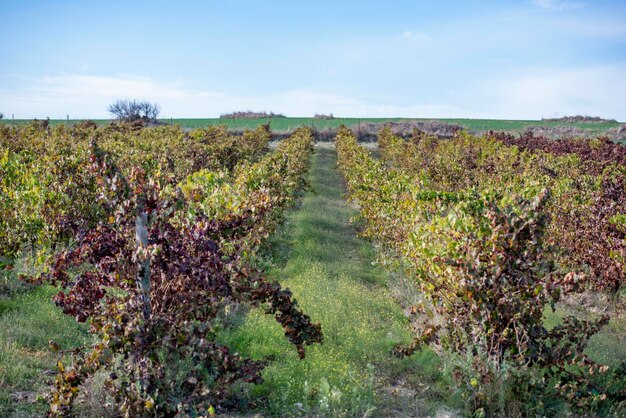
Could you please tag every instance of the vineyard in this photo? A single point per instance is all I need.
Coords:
(495, 235)
(145, 271)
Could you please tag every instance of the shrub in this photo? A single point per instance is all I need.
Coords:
(251, 115)
(323, 116)
(133, 110)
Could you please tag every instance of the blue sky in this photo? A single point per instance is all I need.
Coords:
(522, 59)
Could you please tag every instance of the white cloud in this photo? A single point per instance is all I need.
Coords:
(111, 87)
(536, 92)
(521, 94)
(304, 102)
(418, 36)
(83, 96)
(606, 30)
(86, 96)
(558, 5)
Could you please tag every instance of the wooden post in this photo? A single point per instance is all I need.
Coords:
(143, 267)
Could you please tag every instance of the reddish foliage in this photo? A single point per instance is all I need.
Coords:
(142, 339)
(594, 154)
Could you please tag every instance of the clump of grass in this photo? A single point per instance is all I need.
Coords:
(26, 262)
(28, 321)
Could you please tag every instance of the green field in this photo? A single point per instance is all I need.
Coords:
(289, 124)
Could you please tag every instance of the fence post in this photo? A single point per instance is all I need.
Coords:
(143, 270)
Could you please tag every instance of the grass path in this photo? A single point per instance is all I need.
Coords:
(329, 269)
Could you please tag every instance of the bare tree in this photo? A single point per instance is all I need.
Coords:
(132, 110)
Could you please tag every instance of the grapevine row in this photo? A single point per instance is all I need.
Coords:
(586, 206)
(595, 155)
(168, 260)
(48, 194)
(480, 256)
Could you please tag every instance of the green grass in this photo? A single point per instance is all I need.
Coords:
(520, 125)
(605, 347)
(28, 320)
(54, 122)
(288, 124)
(281, 124)
(330, 271)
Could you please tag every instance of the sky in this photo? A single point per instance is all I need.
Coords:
(523, 59)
